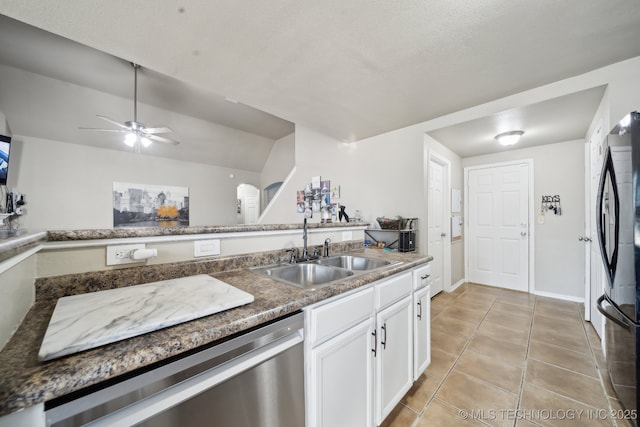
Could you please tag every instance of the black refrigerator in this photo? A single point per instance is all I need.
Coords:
(618, 221)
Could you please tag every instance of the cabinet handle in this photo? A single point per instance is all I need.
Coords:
(419, 310)
(384, 343)
(375, 344)
(426, 276)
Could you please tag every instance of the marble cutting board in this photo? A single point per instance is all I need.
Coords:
(84, 321)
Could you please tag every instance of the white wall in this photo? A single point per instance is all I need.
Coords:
(559, 256)
(280, 161)
(380, 177)
(69, 186)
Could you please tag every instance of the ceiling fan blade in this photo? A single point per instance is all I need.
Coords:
(157, 130)
(162, 139)
(114, 122)
(105, 130)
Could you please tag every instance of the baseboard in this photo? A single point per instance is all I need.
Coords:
(457, 284)
(559, 296)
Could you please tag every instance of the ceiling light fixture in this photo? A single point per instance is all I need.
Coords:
(509, 138)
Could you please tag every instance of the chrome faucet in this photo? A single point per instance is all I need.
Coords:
(326, 247)
(305, 253)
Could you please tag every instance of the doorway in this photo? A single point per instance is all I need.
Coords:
(438, 214)
(248, 207)
(498, 216)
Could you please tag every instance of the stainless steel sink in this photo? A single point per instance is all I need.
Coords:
(353, 262)
(305, 275)
(322, 272)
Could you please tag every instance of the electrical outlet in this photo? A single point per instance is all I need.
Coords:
(347, 235)
(120, 254)
(206, 247)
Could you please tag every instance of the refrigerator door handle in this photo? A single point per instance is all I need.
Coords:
(621, 321)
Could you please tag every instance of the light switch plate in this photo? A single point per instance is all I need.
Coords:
(206, 247)
(119, 254)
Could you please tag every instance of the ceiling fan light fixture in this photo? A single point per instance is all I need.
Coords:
(130, 139)
(509, 138)
(145, 141)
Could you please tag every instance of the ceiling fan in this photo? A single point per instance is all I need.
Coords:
(135, 132)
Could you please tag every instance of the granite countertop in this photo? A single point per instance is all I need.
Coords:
(24, 381)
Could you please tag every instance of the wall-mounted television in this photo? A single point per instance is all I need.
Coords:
(5, 145)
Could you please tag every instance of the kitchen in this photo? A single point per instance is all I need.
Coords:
(349, 164)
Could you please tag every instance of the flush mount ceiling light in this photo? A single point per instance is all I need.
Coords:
(509, 138)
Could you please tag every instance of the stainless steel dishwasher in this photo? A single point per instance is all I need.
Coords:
(254, 379)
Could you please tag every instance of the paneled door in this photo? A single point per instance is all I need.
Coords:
(436, 221)
(594, 275)
(498, 226)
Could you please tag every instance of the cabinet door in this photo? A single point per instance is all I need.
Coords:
(394, 360)
(421, 331)
(340, 380)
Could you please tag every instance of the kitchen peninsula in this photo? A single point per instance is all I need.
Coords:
(27, 382)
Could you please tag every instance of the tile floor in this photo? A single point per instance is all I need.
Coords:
(506, 358)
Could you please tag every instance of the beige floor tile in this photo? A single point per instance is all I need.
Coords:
(453, 326)
(606, 382)
(446, 342)
(515, 322)
(492, 370)
(560, 337)
(475, 296)
(553, 322)
(525, 423)
(470, 393)
(504, 332)
(517, 298)
(441, 363)
(474, 365)
(421, 392)
(505, 351)
(458, 311)
(439, 414)
(565, 358)
(544, 407)
(400, 416)
(513, 310)
(575, 386)
(474, 304)
(622, 417)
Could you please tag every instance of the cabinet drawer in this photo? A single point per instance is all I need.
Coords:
(330, 319)
(393, 289)
(421, 276)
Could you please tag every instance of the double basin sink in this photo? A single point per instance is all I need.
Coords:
(323, 271)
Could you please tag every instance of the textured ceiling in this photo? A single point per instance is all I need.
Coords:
(355, 68)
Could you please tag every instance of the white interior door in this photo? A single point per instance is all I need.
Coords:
(436, 219)
(498, 226)
(251, 211)
(596, 270)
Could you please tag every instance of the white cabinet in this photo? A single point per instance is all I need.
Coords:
(360, 351)
(394, 367)
(341, 393)
(339, 361)
(421, 320)
(421, 331)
